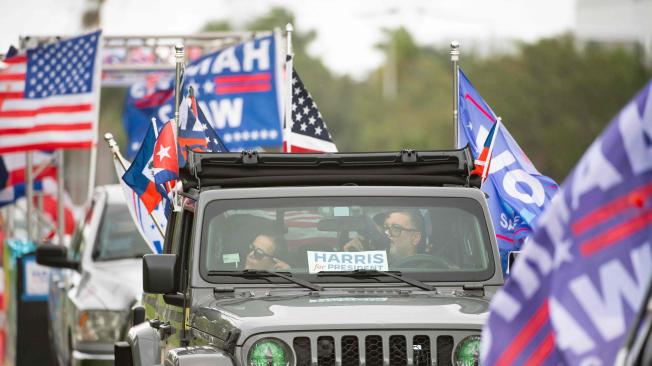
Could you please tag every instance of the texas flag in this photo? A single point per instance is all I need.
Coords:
(165, 162)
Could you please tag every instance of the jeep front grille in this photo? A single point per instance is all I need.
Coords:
(374, 349)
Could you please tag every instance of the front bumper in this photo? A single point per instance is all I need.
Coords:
(92, 359)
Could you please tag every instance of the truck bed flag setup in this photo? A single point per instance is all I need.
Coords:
(307, 131)
(238, 89)
(581, 278)
(50, 96)
(517, 192)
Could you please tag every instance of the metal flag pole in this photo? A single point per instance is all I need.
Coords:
(108, 137)
(455, 57)
(29, 180)
(60, 189)
(179, 57)
(287, 146)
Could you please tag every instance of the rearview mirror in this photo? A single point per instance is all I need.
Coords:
(55, 256)
(160, 274)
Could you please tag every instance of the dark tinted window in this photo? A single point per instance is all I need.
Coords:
(118, 236)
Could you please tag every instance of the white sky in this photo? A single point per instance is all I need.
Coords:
(347, 29)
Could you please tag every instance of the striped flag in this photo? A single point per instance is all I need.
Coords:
(49, 96)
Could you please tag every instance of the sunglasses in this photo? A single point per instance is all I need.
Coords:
(395, 230)
(258, 254)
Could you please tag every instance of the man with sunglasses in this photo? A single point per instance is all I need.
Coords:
(264, 252)
(405, 231)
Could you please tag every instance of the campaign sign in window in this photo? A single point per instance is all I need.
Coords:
(347, 261)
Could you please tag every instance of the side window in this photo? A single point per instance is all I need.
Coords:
(185, 242)
(76, 244)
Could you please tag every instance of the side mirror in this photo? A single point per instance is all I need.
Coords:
(55, 256)
(160, 274)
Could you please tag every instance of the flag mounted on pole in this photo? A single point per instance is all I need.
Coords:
(517, 192)
(50, 96)
(307, 131)
(581, 278)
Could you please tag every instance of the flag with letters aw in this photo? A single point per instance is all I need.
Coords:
(49, 97)
(517, 192)
(582, 276)
(307, 132)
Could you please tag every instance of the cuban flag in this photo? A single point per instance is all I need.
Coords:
(517, 192)
(140, 175)
(581, 278)
(165, 162)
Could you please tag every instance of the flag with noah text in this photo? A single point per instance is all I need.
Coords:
(581, 277)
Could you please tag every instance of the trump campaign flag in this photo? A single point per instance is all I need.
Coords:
(238, 88)
(582, 276)
(517, 192)
(307, 131)
(142, 103)
(49, 96)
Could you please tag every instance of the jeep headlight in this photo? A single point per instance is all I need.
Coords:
(99, 325)
(269, 352)
(467, 352)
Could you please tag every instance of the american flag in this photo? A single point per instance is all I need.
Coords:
(307, 131)
(49, 97)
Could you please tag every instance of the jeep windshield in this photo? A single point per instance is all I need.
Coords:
(424, 238)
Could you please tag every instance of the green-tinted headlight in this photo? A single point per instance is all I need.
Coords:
(269, 352)
(467, 351)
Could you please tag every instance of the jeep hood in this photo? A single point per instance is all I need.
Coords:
(340, 312)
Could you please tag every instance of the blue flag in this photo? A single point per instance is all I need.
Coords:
(582, 276)
(517, 192)
(143, 101)
(238, 88)
(140, 174)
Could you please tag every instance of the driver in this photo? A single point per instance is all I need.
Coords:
(264, 252)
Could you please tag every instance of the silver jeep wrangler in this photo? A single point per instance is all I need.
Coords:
(320, 259)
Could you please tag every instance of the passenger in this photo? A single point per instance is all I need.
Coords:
(264, 252)
(406, 234)
(405, 231)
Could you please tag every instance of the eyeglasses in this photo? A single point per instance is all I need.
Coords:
(395, 230)
(258, 254)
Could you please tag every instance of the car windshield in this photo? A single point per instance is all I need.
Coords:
(425, 238)
(118, 236)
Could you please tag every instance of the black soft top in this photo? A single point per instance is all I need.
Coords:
(400, 168)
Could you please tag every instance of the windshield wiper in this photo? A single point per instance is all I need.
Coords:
(263, 273)
(375, 273)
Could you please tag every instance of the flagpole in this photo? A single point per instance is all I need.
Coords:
(60, 214)
(455, 57)
(287, 146)
(108, 137)
(29, 180)
(179, 57)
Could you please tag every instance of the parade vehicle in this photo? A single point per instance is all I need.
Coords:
(320, 259)
(95, 282)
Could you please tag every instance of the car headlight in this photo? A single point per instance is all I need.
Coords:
(467, 352)
(99, 325)
(269, 352)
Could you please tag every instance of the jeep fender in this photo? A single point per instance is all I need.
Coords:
(197, 356)
(145, 348)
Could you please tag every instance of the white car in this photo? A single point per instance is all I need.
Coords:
(95, 283)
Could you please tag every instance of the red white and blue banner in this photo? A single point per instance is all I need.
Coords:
(517, 192)
(238, 88)
(581, 278)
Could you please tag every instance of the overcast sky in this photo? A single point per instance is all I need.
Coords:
(347, 29)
